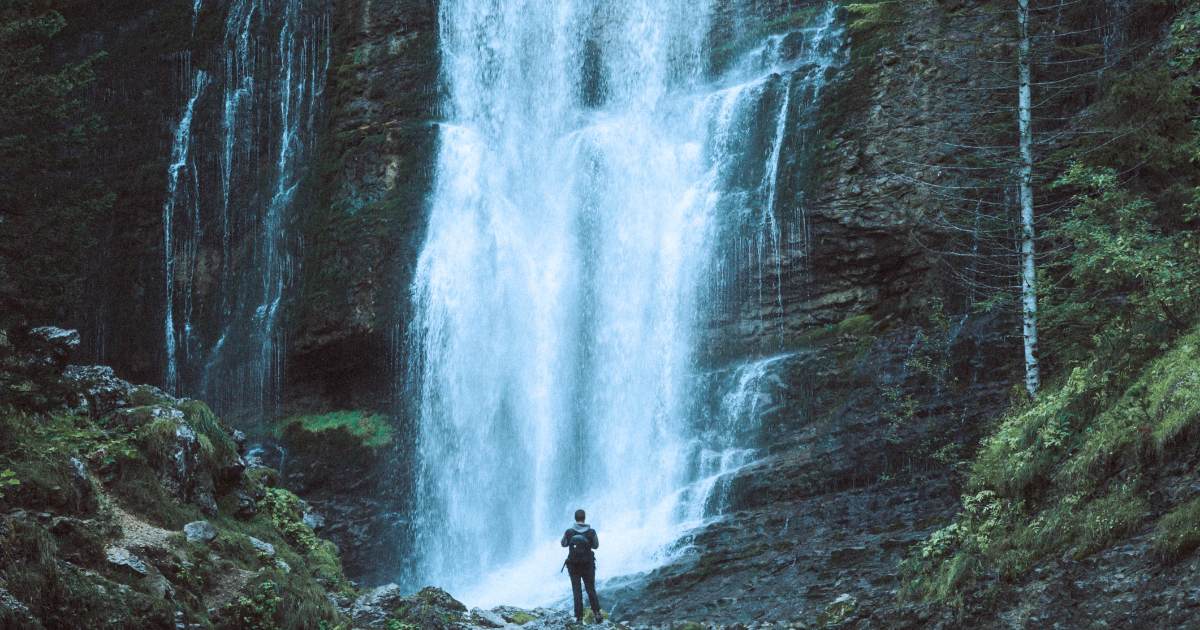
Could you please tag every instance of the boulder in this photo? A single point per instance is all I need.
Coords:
(122, 558)
(199, 532)
(31, 366)
(373, 608)
(313, 520)
(101, 391)
(487, 618)
(430, 608)
(176, 452)
(81, 483)
(11, 608)
(438, 598)
(247, 506)
(263, 547)
(54, 344)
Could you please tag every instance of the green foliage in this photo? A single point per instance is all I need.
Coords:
(1068, 474)
(899, 410)
(375, 430)
(257, 609)
(286, 515)
(927, 369)
(8, 479)
(1184, 43)
(1178, 533)
(521, 618)
(61, 595)
(326, 567)
(37, 449)
(124, 451)
(1125, 278)
(210, 429)
(49, 204)
(1121, 244)
(867, 17)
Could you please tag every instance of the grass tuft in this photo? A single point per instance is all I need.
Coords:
(375, 430)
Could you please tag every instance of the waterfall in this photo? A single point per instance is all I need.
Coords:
(180, 156)
(270, 68)
(594, 172)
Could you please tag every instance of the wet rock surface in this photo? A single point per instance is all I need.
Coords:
(362, 232)
(353, 497)
(436, 609)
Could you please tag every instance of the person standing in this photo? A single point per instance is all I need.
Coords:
(580, 540)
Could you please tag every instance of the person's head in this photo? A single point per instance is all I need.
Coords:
(580, 516)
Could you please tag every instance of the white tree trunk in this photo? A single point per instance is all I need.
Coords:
(1028, 270)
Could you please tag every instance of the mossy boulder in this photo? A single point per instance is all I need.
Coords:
(95, 493)
(387, 607)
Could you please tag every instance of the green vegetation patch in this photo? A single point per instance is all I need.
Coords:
(1069, 474)
(287, 516)
(868, 17)
(521, 618)
(375, 430)
(1178, 533)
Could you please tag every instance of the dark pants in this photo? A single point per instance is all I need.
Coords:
(587, 574)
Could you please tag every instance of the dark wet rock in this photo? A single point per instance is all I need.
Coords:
(362, 234)
(247, 505)
(353, 498)
(314, 520)
(12, 612)
(31, 366)
(126, 559)
(55, 344)
(79, 540)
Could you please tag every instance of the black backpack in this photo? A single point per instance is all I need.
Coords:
(579, 549)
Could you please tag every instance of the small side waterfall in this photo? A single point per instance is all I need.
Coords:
(601, 193)
(237, 255)
(181, 161)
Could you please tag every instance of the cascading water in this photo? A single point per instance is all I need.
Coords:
(270, 71)
(591, 176)
(180, 161)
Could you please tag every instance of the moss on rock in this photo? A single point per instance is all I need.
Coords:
(92, 535)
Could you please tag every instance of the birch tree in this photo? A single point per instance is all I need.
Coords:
(1028, 267)
(988, 163)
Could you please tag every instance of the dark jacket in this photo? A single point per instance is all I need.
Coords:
(588, 532)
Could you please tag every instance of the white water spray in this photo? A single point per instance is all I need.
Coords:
(590, 172)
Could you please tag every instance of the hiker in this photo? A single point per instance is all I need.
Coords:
(581, 539)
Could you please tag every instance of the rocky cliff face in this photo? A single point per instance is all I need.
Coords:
(137, 96)
(362, 234)
(890, 387)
